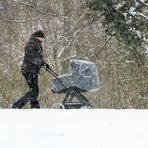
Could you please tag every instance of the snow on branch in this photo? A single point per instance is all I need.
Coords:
(142, 15)
(143, 2)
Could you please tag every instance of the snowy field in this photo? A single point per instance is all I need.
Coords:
(49, 128)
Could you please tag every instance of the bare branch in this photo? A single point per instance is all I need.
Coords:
(108, 39)
(38, 10)
(14, 20)
(26, 4)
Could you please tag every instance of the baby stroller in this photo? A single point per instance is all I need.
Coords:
(83, 77)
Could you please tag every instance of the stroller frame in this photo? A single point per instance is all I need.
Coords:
(81, 100)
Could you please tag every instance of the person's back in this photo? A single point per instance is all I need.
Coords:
(33, 58)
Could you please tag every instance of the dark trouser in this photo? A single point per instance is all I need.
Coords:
(32, 94)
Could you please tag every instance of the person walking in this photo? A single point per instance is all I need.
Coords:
(32, 63)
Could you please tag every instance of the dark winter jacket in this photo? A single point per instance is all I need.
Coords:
(33, 59)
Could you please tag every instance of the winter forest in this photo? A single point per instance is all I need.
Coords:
(111, 33)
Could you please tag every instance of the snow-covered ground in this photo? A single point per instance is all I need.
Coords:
(51, 128)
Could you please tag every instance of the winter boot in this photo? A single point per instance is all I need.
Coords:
(34, 104)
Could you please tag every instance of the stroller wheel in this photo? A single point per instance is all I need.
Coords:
(86, 107)
(58, 106)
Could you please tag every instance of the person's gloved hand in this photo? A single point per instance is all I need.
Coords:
(45, 65)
